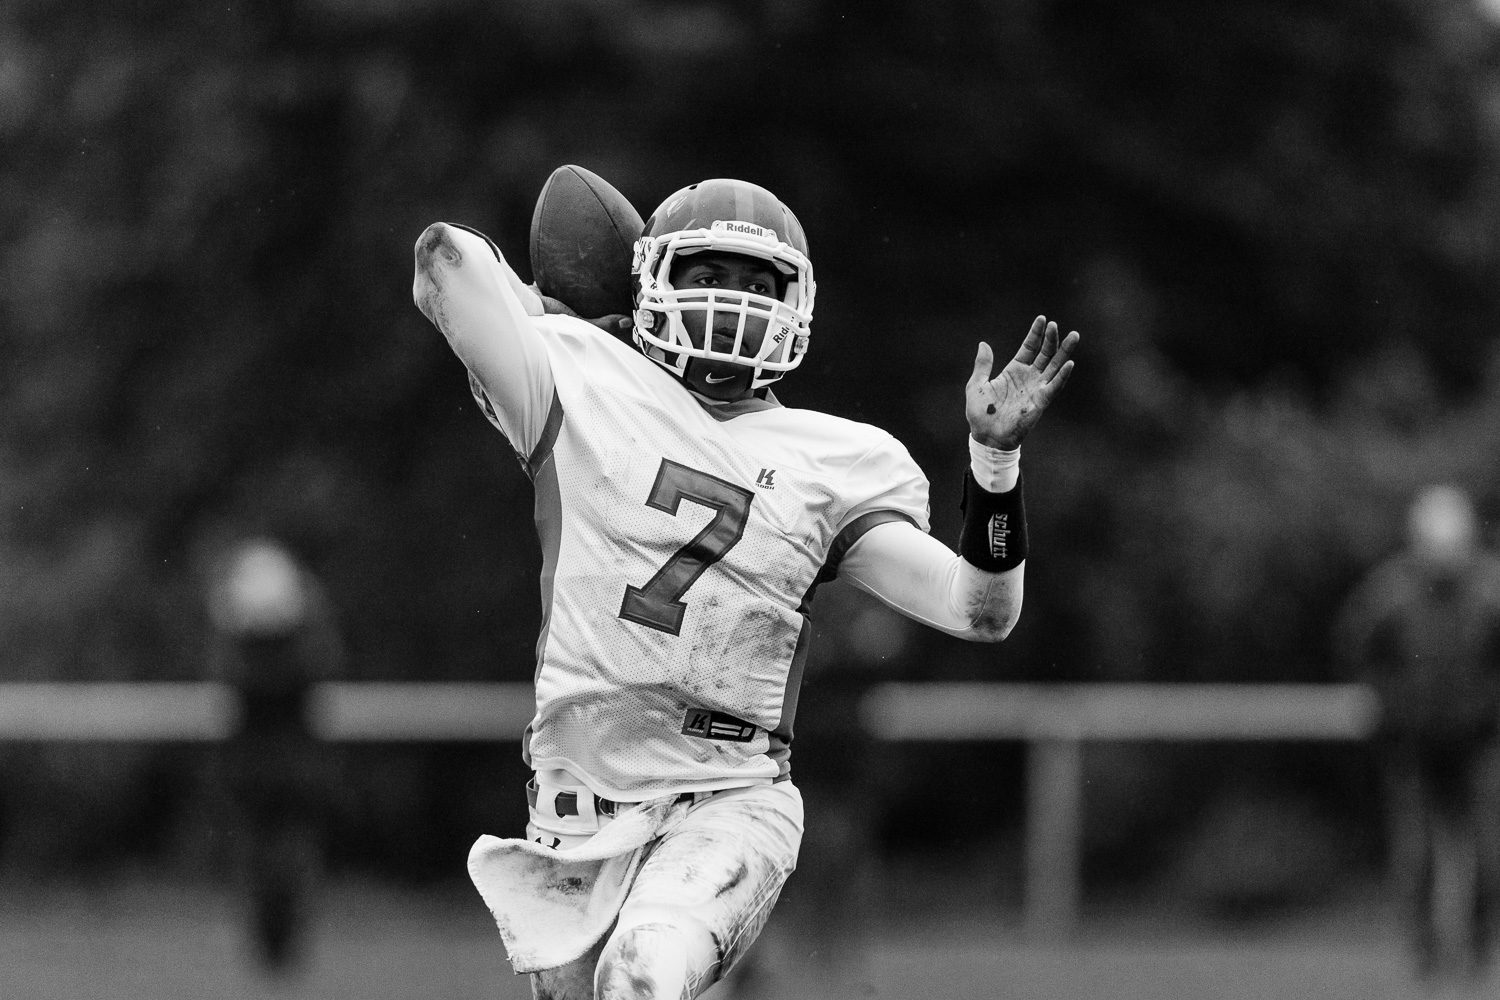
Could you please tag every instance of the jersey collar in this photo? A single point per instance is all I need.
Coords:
(728, 411)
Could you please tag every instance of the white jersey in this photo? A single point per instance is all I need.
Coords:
(681, 539)
(681, 542)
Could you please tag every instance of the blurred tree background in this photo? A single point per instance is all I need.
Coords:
(1275, 224)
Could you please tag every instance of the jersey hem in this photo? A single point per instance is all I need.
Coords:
(617, 795)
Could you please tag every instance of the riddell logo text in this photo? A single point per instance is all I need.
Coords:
(999, 535)
(744, 228)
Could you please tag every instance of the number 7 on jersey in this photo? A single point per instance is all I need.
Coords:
(659, 603)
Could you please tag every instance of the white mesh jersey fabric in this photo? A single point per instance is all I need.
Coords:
(613, 692)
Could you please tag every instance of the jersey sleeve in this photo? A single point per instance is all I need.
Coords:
(926, 581)
(465, 287)
(886, 483)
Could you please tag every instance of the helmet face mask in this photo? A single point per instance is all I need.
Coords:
(724, 217)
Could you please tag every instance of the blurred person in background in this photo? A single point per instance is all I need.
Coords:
(275, 636)
(1423, 629)
(663, 821)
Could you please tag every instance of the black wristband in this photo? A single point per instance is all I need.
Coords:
(994, 534)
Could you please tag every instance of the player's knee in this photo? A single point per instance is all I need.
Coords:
(644, 962)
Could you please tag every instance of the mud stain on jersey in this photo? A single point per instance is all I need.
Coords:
(701, 655)
(762, 633)
(739, 656)
(435, 250)
(436, 245)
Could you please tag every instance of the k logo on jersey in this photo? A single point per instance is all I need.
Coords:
(713, 725)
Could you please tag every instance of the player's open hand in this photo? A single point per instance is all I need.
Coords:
(1002, 410)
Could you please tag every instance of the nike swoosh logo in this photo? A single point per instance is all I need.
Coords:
(715, 381)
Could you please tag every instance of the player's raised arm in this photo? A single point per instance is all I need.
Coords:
(925, 580)
(977, 592)
(468, 291)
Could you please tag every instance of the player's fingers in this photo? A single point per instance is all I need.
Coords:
(984, 360)
(1033, 342)
(1064, 351)
(1055, 386)
(1049, 348)
(556, 306)
(612, 322)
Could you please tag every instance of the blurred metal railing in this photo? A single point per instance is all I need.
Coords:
(429, 711)
(1053, 719)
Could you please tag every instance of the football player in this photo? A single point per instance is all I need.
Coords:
(275, 635)
(1423, 630)
(686, 518)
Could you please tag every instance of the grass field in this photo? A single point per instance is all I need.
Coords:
(163, 942)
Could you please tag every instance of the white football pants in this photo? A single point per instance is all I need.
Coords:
(701, 897)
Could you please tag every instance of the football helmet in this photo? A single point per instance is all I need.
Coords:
(726, 216)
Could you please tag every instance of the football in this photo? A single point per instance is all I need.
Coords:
(583, 235)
